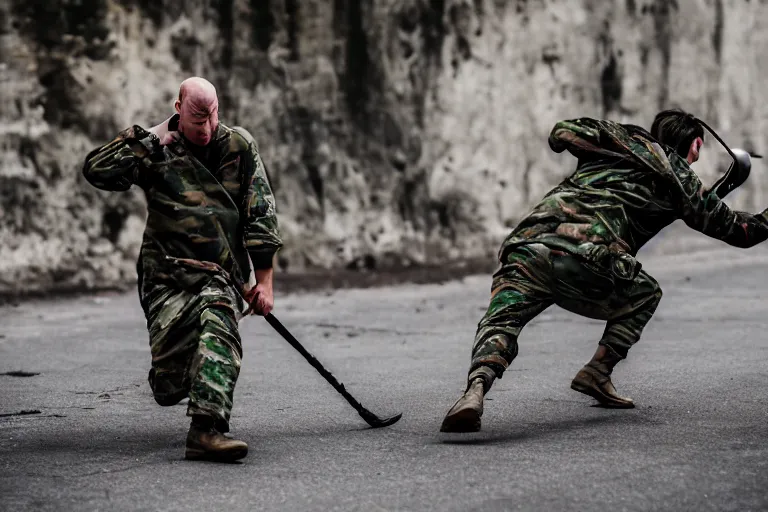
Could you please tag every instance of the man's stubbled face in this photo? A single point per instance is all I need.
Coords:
(198, 111)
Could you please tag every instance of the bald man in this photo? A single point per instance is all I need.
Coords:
(211, 230)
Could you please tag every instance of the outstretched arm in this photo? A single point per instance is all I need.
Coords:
(705, 212)
(700, 209)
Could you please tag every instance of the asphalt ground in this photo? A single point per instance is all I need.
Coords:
(82, 432)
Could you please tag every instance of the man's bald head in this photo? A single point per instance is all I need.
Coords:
(198, 108)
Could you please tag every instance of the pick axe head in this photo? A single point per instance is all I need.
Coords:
(376, 422)
(736, 174)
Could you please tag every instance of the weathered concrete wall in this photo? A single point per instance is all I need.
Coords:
(396, 131)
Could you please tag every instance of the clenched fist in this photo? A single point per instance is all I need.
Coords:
(162, 132)
(260, 298)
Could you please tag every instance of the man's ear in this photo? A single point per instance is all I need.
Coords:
(693, 150)
(697, 143)
(177, 106)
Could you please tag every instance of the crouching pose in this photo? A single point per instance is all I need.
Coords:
(577, 247)
(211, 219)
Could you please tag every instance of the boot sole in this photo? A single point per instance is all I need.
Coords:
(226, 456)
(600, 396)
(464, 421)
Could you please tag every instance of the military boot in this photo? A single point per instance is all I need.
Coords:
(465, 414)
(204, 442)
(595, 379)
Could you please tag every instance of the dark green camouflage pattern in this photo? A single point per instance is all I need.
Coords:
(211, 213)
(196, 348)
(533, 277)
(199, 220)
(625, 190)
(577, 247)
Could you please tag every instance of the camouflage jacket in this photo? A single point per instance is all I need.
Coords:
(626, 188)
(209, 209)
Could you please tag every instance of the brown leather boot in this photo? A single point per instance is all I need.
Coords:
(206, 443)
(595, 379)
(465, 414)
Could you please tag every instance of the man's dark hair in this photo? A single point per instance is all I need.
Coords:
(677, 129)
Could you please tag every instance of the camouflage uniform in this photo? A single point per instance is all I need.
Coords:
(577, 247)
(210, 211)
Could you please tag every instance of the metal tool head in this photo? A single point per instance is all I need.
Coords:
(739, 170)
(736, 174)
(376, 422)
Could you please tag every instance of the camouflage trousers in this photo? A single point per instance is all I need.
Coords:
(534, 277)
(196, 347)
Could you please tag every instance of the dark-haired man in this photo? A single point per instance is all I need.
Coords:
(577, 247)
(211, 219)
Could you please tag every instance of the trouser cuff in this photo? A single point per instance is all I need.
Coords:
(486, 373)
(617, 350)
(219, 419)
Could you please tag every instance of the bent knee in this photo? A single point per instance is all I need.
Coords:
(656, 295)
(167, 388)
(651, 302)
(649, 287)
